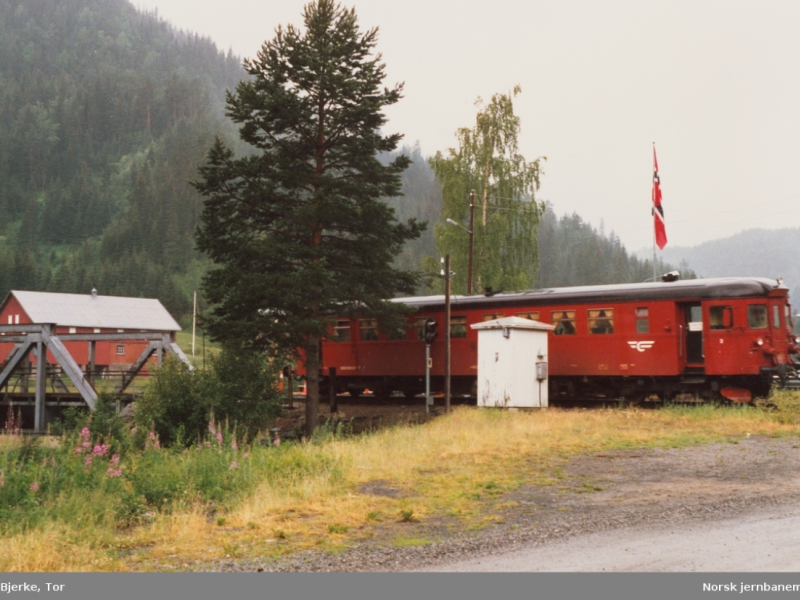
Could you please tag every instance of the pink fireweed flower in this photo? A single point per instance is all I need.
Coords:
(211, 428)
(114, 460)
(85, 433)
(112, 472)
(88, 461)
(219, 437)
(34, 486)
(2, 482)
(152, 439)
(246, 454)
(234, 464)
(100, 450)
(234, 445)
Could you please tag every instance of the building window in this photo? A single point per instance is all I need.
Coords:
(73, 329)
(458, 327)
(757, 316)
(368, 329)
(120, 349)
(564, 320)
(493, 316)
(533, 316)
(601, 320)
(720, 317)
(642, 320)
(16, 319)
(341, 331)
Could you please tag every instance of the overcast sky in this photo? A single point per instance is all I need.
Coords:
(714, 83)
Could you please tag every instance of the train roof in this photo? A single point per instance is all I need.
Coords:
(687, 289)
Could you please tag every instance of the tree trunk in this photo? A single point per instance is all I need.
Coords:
(312, 384)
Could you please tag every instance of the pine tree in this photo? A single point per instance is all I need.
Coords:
(297, 229)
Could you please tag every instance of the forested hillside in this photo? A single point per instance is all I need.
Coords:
(105, 112)
(756, 252)
(572, 252)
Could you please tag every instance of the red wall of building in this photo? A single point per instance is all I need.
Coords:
(106, 352)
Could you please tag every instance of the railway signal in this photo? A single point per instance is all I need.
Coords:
(429, 331)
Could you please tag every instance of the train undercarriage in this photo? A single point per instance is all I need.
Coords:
(689, 387)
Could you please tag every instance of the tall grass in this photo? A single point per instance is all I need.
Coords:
(124, 502)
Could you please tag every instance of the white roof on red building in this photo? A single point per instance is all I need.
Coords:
(91, 310)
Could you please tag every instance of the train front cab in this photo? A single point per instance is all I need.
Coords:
(736, 342)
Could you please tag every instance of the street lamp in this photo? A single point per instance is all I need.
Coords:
(471, 232)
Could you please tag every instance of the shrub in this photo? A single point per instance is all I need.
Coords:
(240, 389)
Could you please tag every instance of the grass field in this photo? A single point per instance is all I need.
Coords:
(167, 509)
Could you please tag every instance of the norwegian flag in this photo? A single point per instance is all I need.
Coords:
(658, 210)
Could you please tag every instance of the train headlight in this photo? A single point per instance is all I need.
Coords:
(797, 339)
(760, 342)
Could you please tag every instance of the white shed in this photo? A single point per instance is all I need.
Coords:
(512, 362)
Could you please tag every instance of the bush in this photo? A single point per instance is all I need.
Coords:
(240, 389)
(785, 404)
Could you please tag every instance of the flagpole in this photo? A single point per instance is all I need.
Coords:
(653, 216)
(654, 252)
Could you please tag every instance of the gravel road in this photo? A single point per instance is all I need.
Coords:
(766, 542)
(715, 507)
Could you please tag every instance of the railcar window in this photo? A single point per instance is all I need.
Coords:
(642, 320)
(601, 320)
(458, 327)
(787, 314)
(757, 316)
(533, 316)
(493, 316)
(368, 329)
(776, 316)
(720, 317)
(398, 333)
(341, 331)
(564, 320)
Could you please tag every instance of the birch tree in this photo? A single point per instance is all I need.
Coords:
(487, 160)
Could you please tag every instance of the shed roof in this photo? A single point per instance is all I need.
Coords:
(88, 310)
(513, 323)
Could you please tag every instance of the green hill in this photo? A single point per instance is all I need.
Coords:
(755, 252)
(105, 111)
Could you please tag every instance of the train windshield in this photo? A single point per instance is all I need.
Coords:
(757, 316)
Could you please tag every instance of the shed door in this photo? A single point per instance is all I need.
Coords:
(694, 333)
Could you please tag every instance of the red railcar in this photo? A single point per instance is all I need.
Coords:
(696, 339)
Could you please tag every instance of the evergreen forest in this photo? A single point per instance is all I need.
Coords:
(105, 113)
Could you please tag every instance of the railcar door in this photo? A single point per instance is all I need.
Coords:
(693, 334)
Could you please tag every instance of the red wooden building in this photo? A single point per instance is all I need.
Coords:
(89, 313)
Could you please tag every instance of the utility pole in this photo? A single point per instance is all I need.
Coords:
(194, 320)
(471, 239)
(447, 333)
